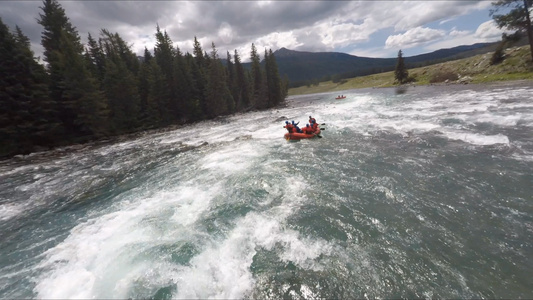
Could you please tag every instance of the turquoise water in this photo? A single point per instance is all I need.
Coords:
(424, 193)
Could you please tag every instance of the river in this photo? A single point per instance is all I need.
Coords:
(425, 192)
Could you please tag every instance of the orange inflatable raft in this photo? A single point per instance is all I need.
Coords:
(299, 136)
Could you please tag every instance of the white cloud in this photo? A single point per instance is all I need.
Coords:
(455, 32)
(277, 40)
(262, 3)
(225, 33)
(413, 37)
(377, 52)
(451, 42)
(447, 21)
(488, 30)
(339, 35)
(411, 14)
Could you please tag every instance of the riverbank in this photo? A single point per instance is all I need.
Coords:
(477, 69)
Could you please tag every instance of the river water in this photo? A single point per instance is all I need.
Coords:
(425, 192)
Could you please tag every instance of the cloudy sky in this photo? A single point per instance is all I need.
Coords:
(363, 28)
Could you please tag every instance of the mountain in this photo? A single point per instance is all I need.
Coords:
(302, 66)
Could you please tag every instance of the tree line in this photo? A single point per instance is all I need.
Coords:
(102, 89)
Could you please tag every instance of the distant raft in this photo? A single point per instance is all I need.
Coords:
(340, 97)
(298, 136)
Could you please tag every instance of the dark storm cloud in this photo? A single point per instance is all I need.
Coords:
(248, 19)
(252, 18)
(23, 14)
(300, 25)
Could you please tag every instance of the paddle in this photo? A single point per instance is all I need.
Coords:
(318, 135)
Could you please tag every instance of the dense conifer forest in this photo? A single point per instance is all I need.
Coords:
(88, 92)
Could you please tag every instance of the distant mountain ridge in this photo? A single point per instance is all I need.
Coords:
(301, 66)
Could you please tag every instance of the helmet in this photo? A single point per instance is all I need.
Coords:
(306, 125)
(310, 117)
(286, 122)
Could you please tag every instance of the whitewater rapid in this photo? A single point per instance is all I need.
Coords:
(425, 193)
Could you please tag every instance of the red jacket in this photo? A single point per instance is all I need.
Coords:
(307, 130)
(290, 128)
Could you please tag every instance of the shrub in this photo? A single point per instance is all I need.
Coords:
(498, 55)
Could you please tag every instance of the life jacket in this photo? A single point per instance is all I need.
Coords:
(311, 120)
(289, 127)
(314, 126)
(307, 130)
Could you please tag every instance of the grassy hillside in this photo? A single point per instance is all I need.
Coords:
(477, 69)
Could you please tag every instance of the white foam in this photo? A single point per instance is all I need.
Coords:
(501, 120)
(235, 158)
(223, 270)
(96, 259)
(98, 256)
(478, 139)
(10, 210)
(269, 133)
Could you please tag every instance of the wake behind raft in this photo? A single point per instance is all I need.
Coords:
(310, 130)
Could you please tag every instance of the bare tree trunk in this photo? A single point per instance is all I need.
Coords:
(529, 29)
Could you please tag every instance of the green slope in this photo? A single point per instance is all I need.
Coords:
(476, 69)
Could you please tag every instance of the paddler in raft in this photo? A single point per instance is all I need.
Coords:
(290, 128)
(308, 129)
(314, 125)
(296, 127)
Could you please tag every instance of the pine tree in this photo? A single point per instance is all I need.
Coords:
(45, 124)
(197, 85)
(164, 57)
(259, 97)
(120, 83)
(268, 81)
(518, 18)
(158, 95)
(198, 54)
(285, 86)
(400, 73)
(198, 71)
(12, 108)
(120, 86)
(97, 58)
(184, 82)
(232, 83)
(144, 89)
(27, 117)
(82, 107)
(275, 93)
(218, 97)
(242, 83)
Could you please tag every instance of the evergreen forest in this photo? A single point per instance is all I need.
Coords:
(83, 93)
